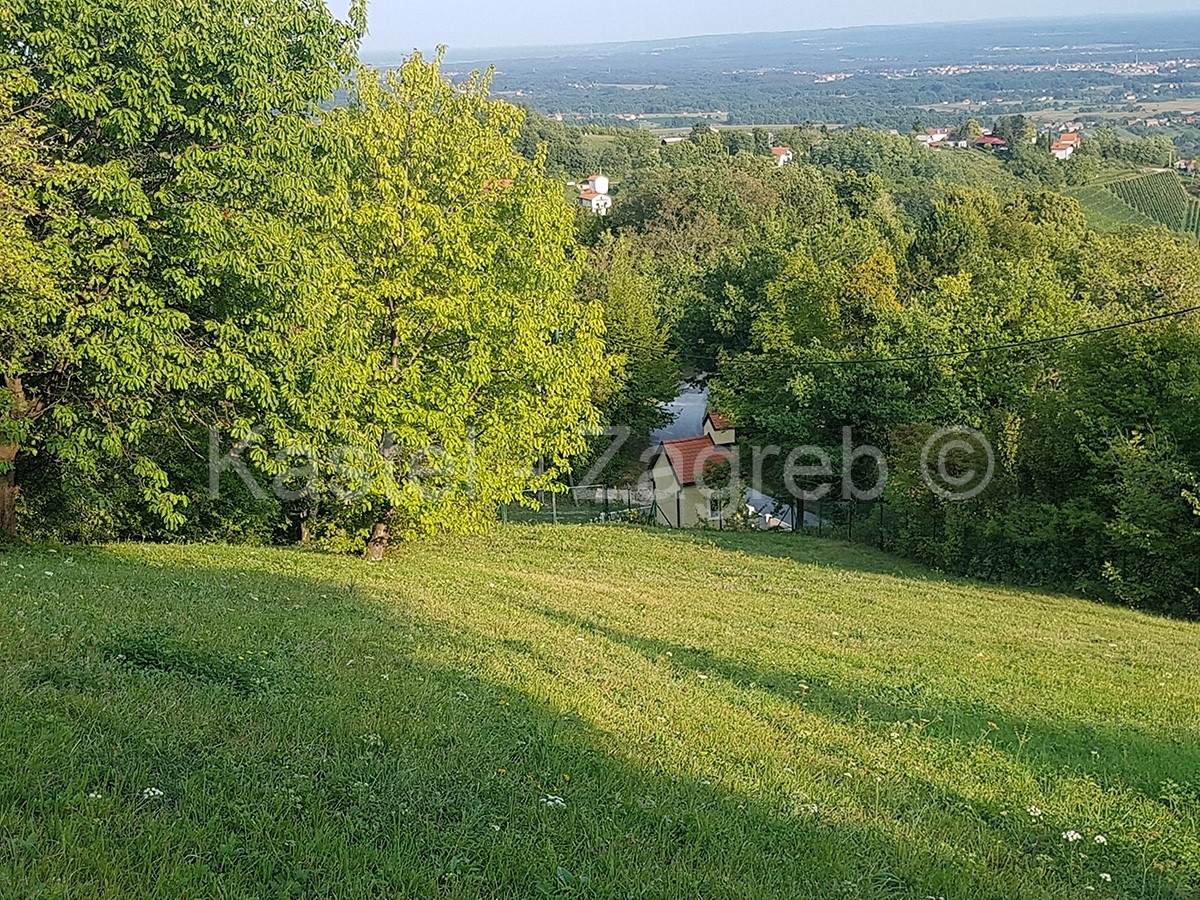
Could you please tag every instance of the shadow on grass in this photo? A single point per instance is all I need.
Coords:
(363, 769)
(809, 549)
(1122, 755)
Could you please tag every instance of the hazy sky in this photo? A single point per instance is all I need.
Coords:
(400, 25)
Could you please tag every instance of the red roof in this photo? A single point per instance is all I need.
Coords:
(991, 141)
(719, 421)
(588, 195)
(780, 151)
(690, 456)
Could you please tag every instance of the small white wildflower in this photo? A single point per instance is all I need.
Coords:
(372, 740)
(1101, 839)
(1104, 876)
(1036, 812)
(152, 793)
(1071, 836)
(553, 801)
(94, 795)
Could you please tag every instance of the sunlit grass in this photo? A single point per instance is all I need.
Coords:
(591, 711)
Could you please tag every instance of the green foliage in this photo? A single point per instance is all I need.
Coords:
(376, 303)
(1106, 143)
(459, 348)
(1079, 498)
(176, 223)
(644, 372)
(893, 157)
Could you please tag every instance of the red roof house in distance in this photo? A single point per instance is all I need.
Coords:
(783, 155)
(593, 195)
(682, 474)
(594, 201)
(991, 142)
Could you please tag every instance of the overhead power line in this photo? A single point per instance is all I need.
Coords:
(1012, 345)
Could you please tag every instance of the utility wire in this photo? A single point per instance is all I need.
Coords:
(1011, 345)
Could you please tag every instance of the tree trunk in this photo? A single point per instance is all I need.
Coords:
(8, 490)
(378, 544)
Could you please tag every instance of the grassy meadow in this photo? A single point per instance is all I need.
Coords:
(583, 711)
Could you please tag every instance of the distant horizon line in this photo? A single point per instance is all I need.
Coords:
(453, 53)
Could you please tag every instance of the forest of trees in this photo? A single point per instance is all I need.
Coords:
(787, 283)
(385, 310)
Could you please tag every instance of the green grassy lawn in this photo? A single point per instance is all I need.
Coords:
(583, 711)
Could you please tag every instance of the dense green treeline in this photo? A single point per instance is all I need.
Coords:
(847, 290)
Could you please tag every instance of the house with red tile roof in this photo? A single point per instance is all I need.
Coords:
(991, 142)
(595, 202)
(783, 155)
(685, 473)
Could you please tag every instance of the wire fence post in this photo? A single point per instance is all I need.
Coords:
(882, 525)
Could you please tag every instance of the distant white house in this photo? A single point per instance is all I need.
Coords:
(1061, 151)
(1066, 145)
(595, 202)
(783, 155)
(593, 195)
(597, 183)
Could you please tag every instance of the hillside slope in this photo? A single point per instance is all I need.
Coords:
(1147, 199)
(584, 711)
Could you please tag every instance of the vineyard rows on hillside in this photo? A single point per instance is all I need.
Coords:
(1158, 195)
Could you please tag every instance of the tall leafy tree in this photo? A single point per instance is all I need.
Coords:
(175, 222)
(461, 351)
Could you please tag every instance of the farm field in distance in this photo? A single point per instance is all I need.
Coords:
(584, 711)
